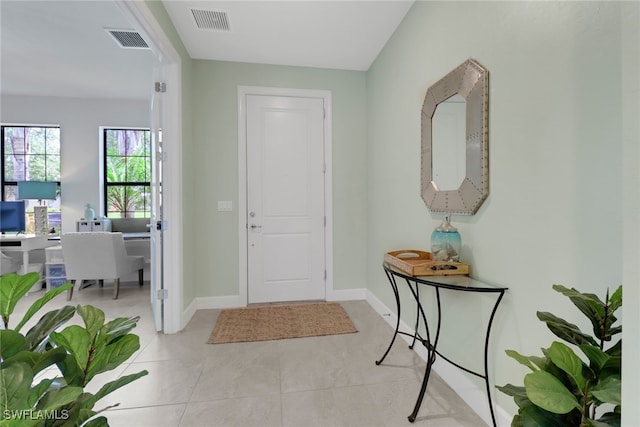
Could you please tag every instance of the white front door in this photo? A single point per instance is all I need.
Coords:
(155, 222)
(285, 198)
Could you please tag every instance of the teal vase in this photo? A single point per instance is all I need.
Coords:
(446, 242)
(89, 213)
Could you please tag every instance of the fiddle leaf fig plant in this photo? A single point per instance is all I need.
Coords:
(28, 396)
(564, 389)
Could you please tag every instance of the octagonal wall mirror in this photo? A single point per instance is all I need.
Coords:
(455, 141)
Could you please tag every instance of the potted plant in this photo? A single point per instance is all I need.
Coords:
(564, 389)
(79, 352)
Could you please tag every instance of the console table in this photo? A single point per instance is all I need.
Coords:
(439, 284)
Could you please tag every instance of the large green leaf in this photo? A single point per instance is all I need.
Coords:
(534, 416)
(76, 340)
(11, 342)
(49, 322)
(13, 287)
(564, 358)
(97, 422)
(56, 399)
(37, 361)
(37, 391)
(615, 350)
(40, 302)
(609, 390)
(114, 385)
(612, 418)
(615, 300)
(512, 390)
(93, 318)
(72, 373)
(565, 330)
(596, 423)
(590, 305)
(111, 356)
(547, 392)
(597, 357)
(524, 360)
(15, 383)
(116, 328)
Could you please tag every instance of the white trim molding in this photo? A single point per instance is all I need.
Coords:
(143, 21)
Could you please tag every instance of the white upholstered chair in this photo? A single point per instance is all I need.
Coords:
(98, 256)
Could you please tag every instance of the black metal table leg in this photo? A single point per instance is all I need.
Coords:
(394, 286)
(431, 351)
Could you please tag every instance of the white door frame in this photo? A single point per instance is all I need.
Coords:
(145, 23)
(243, 91)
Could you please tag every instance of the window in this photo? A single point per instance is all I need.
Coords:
(127, 173)
(31, 153)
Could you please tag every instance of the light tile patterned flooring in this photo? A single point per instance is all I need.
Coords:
(319, 381)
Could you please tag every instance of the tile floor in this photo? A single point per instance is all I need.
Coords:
(319, 381)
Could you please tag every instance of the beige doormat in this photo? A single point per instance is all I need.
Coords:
(276, 322)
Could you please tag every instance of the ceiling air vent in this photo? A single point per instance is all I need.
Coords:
(211, 19)
(128, 39)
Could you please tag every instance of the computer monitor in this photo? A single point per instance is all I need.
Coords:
(12, 216)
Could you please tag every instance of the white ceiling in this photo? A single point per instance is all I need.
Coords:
(344, 35)
(61, 48)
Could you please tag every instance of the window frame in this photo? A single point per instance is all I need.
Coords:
(106, 184)
(4, 183)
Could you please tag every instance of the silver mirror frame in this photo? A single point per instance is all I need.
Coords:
(471, 81)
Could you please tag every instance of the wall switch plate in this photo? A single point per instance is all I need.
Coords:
(225, 206)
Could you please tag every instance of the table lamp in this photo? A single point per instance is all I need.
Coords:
(38, 190)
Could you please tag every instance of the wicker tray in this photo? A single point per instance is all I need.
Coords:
(419, 263)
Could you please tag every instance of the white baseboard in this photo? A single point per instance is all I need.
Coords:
(470, 392)
(347, 295)
(188, 313)
(229, 301)
(233, 301)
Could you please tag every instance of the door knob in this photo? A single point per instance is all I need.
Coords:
(253, 226)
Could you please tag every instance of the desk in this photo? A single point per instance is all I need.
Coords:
(439, 283)
(24, 243)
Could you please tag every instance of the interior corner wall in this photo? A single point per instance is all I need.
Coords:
(631, 211)
(554, 212)
(216, 167)
(80, 121)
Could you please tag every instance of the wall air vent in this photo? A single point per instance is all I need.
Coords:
(211, 19)
(128, 39)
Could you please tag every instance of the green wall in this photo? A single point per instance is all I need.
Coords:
(554, 213)
(215, 167)
(564, 91)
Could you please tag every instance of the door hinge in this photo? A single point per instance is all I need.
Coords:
(162, 294)
(325, 275)
(161, 87)
(325, 220)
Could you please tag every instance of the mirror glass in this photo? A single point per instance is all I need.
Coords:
(449, 140)
(455, 141)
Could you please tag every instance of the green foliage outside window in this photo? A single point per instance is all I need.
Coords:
(127, 173)
(31, 153)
